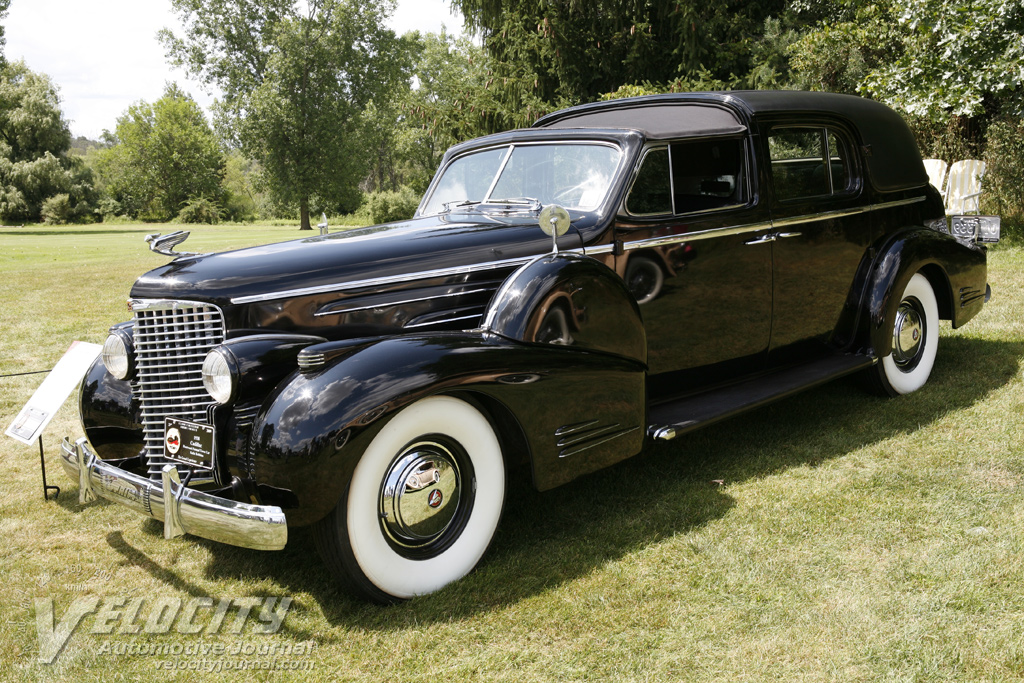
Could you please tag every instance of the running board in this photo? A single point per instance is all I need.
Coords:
(669, 420)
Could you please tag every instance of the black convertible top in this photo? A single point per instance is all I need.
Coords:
(890, 152)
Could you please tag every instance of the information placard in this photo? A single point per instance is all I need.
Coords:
(52, 393)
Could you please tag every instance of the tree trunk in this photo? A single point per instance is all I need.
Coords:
(304, 214)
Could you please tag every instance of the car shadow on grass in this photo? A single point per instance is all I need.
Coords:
(550, 538)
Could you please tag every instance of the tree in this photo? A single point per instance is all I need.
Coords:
(34, 141)
(575, 50)
(450, 104)
(960, 57)
(295, 85)
(4, 5)
(164, 155)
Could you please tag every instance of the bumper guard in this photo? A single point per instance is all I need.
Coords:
(184, 511)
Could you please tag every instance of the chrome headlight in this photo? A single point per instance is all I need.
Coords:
(219, 376)
(119, 354)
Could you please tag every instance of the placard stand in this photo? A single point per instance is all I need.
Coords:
(28, 426)
(42, 465)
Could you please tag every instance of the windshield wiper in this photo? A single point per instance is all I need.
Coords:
(528, 203)
(510, 204)
(458, 204)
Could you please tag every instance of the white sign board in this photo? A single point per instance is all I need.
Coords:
(52, 393)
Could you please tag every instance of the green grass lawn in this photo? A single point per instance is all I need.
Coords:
(831, 536)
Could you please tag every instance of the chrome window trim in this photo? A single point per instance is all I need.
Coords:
(602, 249)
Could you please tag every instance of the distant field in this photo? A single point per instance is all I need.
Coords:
(832, 536)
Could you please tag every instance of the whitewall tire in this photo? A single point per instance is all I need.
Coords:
(915, 340)
(423, 504)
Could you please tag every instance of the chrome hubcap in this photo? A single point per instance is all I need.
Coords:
(424, 497)
(908, 335)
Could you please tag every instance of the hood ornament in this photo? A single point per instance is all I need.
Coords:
(165, 244)
(322, 224)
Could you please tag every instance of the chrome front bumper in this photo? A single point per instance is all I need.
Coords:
(185, 511)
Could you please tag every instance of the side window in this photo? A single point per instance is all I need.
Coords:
(689, 176)
(708, 174)
(808, 162)
(652, 190)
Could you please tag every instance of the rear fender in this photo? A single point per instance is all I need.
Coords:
(957, 273)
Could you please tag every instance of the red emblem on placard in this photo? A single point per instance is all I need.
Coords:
(435, 498)
(173, 440)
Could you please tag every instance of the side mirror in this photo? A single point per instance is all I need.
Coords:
(554, 221)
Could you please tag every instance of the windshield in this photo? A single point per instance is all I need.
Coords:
(576, 176)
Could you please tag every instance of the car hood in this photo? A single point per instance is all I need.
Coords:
(391, 250)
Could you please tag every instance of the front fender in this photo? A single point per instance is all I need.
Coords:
(957, 273)
(578, 411)
(111, 414)
(569, 300)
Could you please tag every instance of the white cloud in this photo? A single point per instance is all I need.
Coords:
(104, 55)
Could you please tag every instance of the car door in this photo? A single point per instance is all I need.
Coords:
(693, 252)
(821, 232)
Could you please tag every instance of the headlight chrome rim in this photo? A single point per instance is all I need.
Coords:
(119, 354)
(219, 376)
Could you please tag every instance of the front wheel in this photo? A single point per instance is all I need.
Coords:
(915, 339)
(423, 503)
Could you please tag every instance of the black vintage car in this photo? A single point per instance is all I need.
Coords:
(668, 261)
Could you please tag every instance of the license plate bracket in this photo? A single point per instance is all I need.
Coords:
(189, 443)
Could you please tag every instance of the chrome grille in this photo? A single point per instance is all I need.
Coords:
(172, 339)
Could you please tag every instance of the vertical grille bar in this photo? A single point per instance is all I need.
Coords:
(172, 339)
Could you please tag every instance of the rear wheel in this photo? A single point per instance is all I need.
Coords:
(915, 340)
(423, 503)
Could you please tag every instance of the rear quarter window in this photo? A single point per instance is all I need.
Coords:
(809, 162)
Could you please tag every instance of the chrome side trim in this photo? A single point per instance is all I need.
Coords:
(752, 227)
(581, 445)
(831, 215)
(444, 321)
(602, 249)
(696, 236)
(381, 281)
(341, 309)
(183, 509)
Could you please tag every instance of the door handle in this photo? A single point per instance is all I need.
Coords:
(763, 239)
(788, 234)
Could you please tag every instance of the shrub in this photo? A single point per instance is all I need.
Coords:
(1004, 156)
(200, 210)
(61, 209)
(392, 205)
(57, 210)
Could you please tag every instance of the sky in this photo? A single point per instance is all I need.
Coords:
(103, 54)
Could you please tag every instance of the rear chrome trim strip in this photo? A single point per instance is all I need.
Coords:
(831, 215)
(752, 227)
